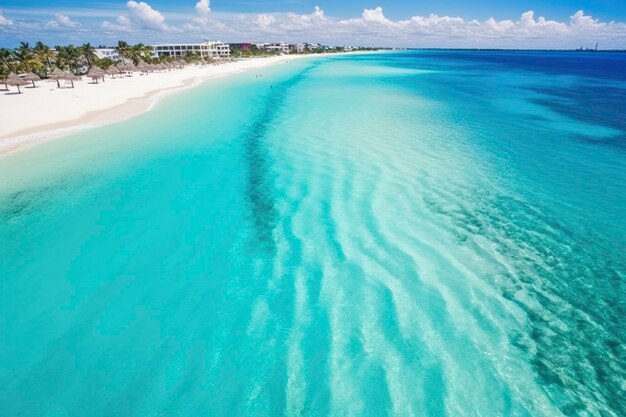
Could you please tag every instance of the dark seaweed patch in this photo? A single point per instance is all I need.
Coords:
(258, 161)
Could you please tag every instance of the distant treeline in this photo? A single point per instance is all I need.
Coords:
(42, 59)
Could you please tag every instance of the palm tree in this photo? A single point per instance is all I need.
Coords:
(139, 52)
(147, 52)
(69, 57)
(136, 53)
(8, 60)
(23, 49)
(191, 56)
(89, 54)
(8, 64)
(45, 56)
(28, 60)
(62, 57)
(122, 50)
(104, 63)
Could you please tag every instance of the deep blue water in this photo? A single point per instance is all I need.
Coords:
(423, 233)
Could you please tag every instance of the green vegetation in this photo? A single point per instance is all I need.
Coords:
(134, 53)
(192, 57)
(252, 52)
(104, 63)
(42, 60)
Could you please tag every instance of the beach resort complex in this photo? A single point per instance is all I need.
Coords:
(288, 208)
(205, 49)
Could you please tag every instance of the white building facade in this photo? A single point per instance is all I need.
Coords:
(213, 49)
(298, 48)
(110, 53)
(279, 47)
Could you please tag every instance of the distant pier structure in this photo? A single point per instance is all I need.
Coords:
(588, 49)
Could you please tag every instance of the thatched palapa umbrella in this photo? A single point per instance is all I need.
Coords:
(143, 67)
(127, 67)
(32, 77)
(112, 70)
(13, 79)
(59, 74)
(73, 78)
(96, 72)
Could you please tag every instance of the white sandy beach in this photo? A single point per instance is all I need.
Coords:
(48, 112)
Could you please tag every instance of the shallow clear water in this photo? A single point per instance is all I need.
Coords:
(423, 233)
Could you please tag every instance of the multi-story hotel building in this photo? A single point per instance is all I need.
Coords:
(213, 49)
(280, 47)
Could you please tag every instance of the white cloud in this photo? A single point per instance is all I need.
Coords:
(4, 21)
(143, 23)
(265, 21)
(318, 13)
(140, 16)
(528, 31)
(203, 7)
(374, 28)
(580, 19)
(62, 21)
(204, 22)
(376, 16)
(434, 21)
(295, 23)
(146, 16)
(501, 26)
(124, 21)
(122, 24)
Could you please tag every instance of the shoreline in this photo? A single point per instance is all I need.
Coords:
(34, 116)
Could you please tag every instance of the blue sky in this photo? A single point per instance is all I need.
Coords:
(419, 23)
(394, 9)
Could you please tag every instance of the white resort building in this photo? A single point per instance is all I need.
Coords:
(213, 49)
(297, 48)
(280, 47)
(110, 53)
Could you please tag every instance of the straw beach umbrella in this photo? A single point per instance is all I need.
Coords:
(112, 71)
(127, 68)
(143, 67)
(13, 79)
(32, 77)
(72, 78)
(96, 72)
(59, 74)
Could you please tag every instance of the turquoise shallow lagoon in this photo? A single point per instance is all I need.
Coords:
(427, 233)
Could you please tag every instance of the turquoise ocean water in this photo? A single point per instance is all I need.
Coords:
(422, 233)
